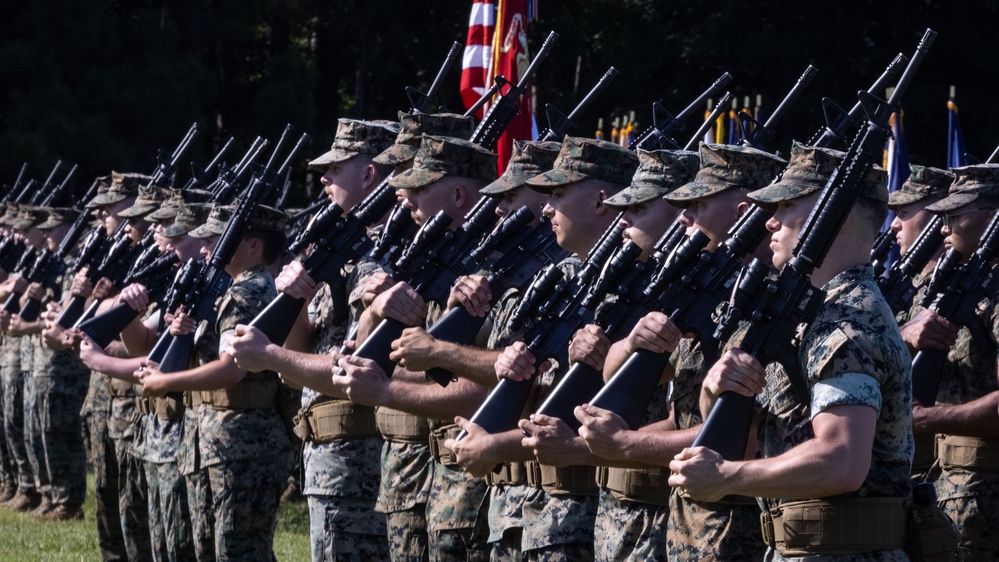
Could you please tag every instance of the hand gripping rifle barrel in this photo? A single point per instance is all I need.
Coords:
(501, 113)
(690, 301)
(781, 306)
(962, 291)
(897, 284)
(104, 327)
(214, 281)
(558, 303)
(661, 135)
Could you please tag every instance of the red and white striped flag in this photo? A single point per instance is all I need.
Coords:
(497, 45)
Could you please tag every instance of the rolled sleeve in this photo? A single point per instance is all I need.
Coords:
(848, 389)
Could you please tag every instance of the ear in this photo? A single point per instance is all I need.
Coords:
(598, 205)
(369, 176)
(460, 195)
(741, 208)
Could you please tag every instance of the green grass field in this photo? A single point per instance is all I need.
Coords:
(22, 538)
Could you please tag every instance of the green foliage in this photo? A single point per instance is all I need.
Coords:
(107, 83)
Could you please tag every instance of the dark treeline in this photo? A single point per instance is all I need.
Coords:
(105, 83)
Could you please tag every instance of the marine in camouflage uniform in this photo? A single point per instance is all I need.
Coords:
(850, 355)
(967, 487)
(61, 381)
(341, 472)
(118, 473)
(924, 187)
(13, 412)
(170, 528)
(235, 448)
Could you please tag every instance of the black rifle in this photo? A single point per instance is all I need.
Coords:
(212, 281)
(754, 133)
(421, 103)
(166, 166)
(559, 124)
(559, 302)
(709, 123)
(954, 292)
(691, 294)
(884, 243)
(199, 179)
(665, 127)
(896, 285)
(775, 309)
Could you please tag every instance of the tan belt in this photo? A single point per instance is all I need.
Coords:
(646, 485)
(246, 395)
(508, 474)
(400, 427)
(144, 405)
(836, 527)
(120, 389)
(192, 399)
(336, 420)
(441, 453)
(968, 452)
(568, 480)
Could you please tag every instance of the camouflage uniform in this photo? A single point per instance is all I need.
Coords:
(970, 495)
(341, 477)
(237, 461)
(33, 416)
(728, 529)
(96, 409)
(851, 354)
(13, 412)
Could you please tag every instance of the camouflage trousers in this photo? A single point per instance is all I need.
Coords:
(122, 507)
(507, 548)
(200, 502)
(33, 431)
(972, 503)
(169, 516)
(714, 531)
(456, 544)
(346, 529)
(560, 553)
(13, 427)
(58, 400)
(626, 530)
(407, 534)
(8, 472)
(244, 501)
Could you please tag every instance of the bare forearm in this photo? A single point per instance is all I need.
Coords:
(655, 448)
(472, 363)
(978, 418)
(616, 356)
(117, 367)
(430, 400)
(307, 369)
(138, 338)
(222, 373)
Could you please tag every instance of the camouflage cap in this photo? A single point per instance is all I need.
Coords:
(177, 199)
(354, 137)
(268, 218)
(122, 186)
(214, 225)
(10, 214)
(188, 217)
(446, 156)
(924, 182)
(412, 127)
(149, 199)
(529, 159)
(724, 166)
(57, 216)
(659, 172)
(582, 158)
(970, 184)
(263, 217)
(809, 171)
(28, 217)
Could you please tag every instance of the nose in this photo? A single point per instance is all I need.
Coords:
(326, 179)
(773, 225)
(548, 210)
(625, 221)
(686, 219)
(896, 224)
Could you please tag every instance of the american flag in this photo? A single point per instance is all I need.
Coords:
(497, 45)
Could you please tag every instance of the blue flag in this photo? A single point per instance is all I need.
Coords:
(898, 170)
(956, 148)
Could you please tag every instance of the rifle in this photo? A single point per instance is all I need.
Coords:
(197, 180)
(689, 295)
(559, 123)
(754, 133)
(954, 292)
(884, 242)
(896, 285)
(775, 309)
(560, 304)
(212, 281)
(664, 126)
(501, 113)
(421, 102)
(166, 167)
(709, 122)
(12, 192)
